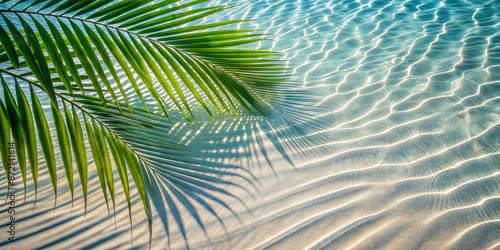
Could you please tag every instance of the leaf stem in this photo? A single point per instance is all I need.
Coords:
(34, 83)
(133, 33)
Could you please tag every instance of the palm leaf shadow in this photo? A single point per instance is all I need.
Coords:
(191, 178)
(195, 175)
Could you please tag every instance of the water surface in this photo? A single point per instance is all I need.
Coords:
(410, 92)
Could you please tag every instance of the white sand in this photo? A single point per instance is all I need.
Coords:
(410, 93)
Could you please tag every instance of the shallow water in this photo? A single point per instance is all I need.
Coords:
(410, 92)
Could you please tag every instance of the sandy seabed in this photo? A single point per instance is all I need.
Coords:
(410, 92)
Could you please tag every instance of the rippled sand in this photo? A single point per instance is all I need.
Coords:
(411, 93)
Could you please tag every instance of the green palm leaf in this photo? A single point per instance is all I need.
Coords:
(75, 52)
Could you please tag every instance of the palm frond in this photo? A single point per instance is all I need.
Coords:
(150, 40)
(76, 52)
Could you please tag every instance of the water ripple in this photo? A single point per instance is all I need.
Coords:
(410, 91)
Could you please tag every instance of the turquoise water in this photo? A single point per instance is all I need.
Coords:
(409, 93)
